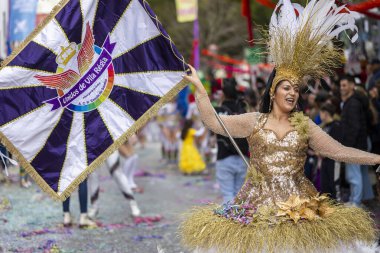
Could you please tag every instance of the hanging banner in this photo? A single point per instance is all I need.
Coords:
(88, 78)
(363, 7)
(187, 10)
(222, 58)
(22, 18)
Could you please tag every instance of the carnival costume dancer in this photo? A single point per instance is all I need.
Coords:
(113, 166)
(190, 160)
(278, 209)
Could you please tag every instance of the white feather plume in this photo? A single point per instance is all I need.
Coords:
(325, 17)
(300, 38)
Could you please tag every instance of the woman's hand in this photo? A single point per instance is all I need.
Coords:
(194, 79)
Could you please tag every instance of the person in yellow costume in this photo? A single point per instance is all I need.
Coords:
(278, 210)
(190, 160)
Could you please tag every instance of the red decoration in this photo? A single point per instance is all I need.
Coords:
(245, 8)
(370, 14)
(246, 12)
(222, 58)
(360, 7)
(266, 3)
(365, 6)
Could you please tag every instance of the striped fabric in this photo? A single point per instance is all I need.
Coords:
(81, 84)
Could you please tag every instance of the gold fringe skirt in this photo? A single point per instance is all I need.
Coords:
(204, 230)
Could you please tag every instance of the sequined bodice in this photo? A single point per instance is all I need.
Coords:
(275, 157)
(280, 162)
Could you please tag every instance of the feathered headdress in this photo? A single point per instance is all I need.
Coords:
(300, 39)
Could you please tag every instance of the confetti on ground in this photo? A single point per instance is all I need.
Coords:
(50, 246)
(39, 197)
(46, 231)
(5, 205)
(141, 238)
(113, 226)
(143, 173)
(198, 182)
(147, 219)
(22, 228)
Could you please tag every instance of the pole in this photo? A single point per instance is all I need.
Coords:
(231, 139)
(249, 24)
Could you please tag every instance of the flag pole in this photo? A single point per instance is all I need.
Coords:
(231, 139)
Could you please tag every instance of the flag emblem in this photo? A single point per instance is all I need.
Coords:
(85, 88)
(88, 78)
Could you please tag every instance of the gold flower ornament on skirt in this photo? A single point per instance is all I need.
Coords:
(296, 208)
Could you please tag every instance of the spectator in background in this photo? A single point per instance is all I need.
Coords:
(3, 177)
(321, 97)
(190, 160)
(354, 134)
(168, 120)
(84, 220)
(130, 162)
(330, 170)
(230, 167)
(24, 178)
(260, 84)
(374, 94)
(373, 71)
(112, 164)
(252, 100)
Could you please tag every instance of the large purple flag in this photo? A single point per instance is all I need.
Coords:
(81, 84)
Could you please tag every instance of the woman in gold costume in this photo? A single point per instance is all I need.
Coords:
(278, 209)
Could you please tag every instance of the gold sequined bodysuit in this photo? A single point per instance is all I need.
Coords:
(278, 209)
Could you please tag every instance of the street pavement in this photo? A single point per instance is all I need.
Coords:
(31, 222)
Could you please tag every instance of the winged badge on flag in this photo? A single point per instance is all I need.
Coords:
(83, 82)
(86, 90)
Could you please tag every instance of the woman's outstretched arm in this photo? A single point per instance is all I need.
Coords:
(324, 144)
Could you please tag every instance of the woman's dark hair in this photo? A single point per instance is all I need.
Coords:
(186, 126)
(265, 100)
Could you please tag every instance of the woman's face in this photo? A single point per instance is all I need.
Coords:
(286, 96)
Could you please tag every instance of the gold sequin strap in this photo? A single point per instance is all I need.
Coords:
(262, 118)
